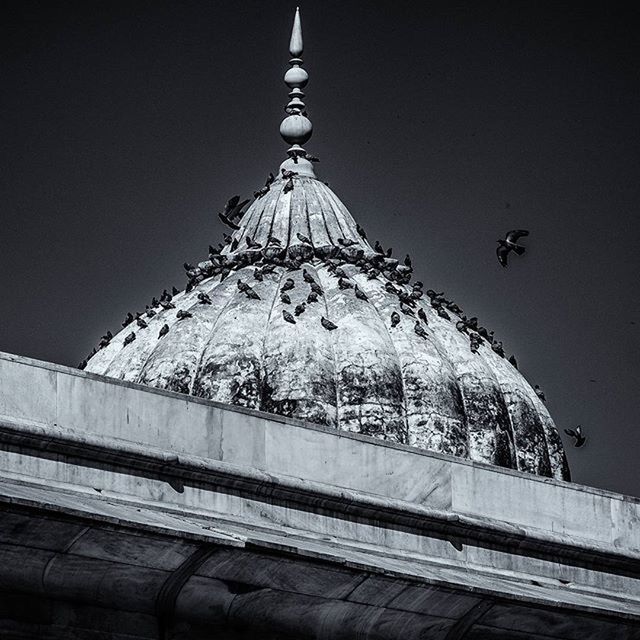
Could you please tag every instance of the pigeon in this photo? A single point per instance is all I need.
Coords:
(288, 186)
(251, 294)
(344, 284)
(509, 244)
(461, 326)
(288, 175)
(274, 240)
(312, 297)
(82, 365)
(270, 180)
(419, 330)
(303, 238)
(167, 305)
(540, 393)
(442, 313)
(407, 261)
(227, 238)
(234, 244)
(268, 268)
(163, 331)
(372, 274)
(141, 323)
(576, 433)
(361, 232)
(174, 291)
(260, 193)
(183, 315)
(422, 315)
(497, 348)
(288, 285)
(391, 289)
(128, 320)
(155, 303)
(316, 288)
(251, 243)
(307, 277)
(285, 297)
(204, 298)
(378, 248)
(300, 308)
(408, 311)
(395, 319)
(346, 242)
(150, 312)
(187, 266)
(232, 211)
(312, 158)
(513, 361)
(327, 324)
(360, 294)
(339, 272)
(166, 296)
(288, 317)
(257, 274)
(474, 342)
(129, 339)
(243, 286)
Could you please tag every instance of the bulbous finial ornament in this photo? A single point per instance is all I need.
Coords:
(296, 128)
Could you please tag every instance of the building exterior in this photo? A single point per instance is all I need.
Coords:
(302, 444)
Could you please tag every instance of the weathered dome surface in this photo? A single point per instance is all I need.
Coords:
(429, 391)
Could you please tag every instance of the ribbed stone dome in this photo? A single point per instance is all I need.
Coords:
(429, 391)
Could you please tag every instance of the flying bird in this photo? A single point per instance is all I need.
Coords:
(577, 434)
(233, 211)
(509, 244)
(327, 324)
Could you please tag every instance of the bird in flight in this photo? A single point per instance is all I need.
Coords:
(509, 244)
(579, 437)
(232, 211)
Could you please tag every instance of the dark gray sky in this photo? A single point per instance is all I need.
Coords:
(125, 125)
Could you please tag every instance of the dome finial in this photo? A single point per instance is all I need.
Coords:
(296, 128)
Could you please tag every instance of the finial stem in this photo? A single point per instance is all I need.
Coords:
(296, 128)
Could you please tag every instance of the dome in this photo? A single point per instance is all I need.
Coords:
(373, 354)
